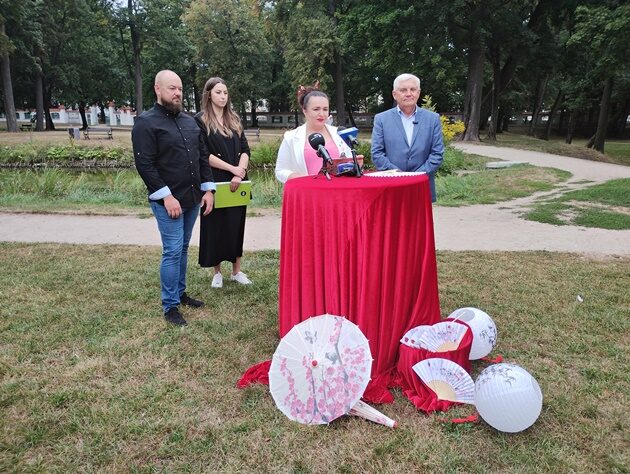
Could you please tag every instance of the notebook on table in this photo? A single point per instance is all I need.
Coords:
(223, 197)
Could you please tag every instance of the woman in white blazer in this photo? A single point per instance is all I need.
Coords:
(296, 157)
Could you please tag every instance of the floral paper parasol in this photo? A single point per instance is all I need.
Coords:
(320, 369)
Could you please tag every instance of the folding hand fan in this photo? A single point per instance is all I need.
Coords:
(443, 337)
(412, 337)
(447, 379)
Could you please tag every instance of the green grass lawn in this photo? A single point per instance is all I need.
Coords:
(463, 181)
(606, 206)
(615, 151)
(92, 379)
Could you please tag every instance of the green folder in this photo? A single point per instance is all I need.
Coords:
(226, 198)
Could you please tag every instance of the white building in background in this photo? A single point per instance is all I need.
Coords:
(63, 117)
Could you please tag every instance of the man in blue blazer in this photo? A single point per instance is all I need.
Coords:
(408, 138)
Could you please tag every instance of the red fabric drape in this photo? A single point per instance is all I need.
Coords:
(363, 249)
(258, 373)
(417, 392)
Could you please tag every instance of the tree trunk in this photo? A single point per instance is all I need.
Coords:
(102, 118)
(50, 125)
(197, 96)
(619, 122)
(7, 88)
(39, 98)
(552, 114)
(339, 91)
(541, 85)
(474, 85)
(571, 126)
(602, 122)
(505, 119)
(494, 98)
(561, 119)
(350, 116)
(500, 120)
(338, 74)
(254, 116)
(136, 44)
(84, 124)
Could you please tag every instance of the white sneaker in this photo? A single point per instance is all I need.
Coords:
(217, 280)
(241, 278)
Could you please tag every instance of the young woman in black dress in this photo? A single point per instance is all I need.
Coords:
(223, 230)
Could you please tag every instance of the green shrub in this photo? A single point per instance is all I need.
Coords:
(453, 161)
(267, 190)
(30, 154)
(265, 154)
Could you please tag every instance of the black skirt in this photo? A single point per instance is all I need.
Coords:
(221, 236)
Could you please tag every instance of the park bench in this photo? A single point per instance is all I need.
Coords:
(26, 126)
(98, 131)
(252, 132)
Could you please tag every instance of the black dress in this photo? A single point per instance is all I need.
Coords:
(223, 230)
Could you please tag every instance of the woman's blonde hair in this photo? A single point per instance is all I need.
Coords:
(231, 121)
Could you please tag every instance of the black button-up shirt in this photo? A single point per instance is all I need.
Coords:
(171, 156)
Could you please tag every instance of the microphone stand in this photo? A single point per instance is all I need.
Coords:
(357, 169)
(324, 169)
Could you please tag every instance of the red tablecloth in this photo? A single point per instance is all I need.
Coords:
(362, 248)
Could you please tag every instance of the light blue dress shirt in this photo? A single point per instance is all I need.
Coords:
(408, 123)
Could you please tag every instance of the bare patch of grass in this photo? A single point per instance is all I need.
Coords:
(492, 186)
(606, 206)
(92, 379)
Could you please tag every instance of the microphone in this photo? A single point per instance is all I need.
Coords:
(317, 141)
(349, 135)
(414, 122)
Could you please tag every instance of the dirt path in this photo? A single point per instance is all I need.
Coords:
(480, 227)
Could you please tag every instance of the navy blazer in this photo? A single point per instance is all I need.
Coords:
(390, 149)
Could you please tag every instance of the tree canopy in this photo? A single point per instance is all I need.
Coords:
(484, 59)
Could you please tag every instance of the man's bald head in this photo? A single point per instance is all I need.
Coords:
(168, 90)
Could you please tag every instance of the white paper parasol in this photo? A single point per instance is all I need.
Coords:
(320, 369)
(368, 412)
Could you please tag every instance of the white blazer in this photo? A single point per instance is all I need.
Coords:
(291, 153)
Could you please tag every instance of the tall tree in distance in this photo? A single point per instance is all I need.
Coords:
(602, 35)
(310, 43)
(168, 46)
(131, 19)
(6, 48)
(135, 18)
(230, 43)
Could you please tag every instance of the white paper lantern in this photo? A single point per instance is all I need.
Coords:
(483, 329)
(508, 398)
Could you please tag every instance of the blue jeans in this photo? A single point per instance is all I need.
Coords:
(175, 235)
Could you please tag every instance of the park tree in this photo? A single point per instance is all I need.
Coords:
(601, 38)
(384, 39)
(168, 46)
(310, 42)
(131, 18)
(280, 88)
(6, 48)
(230, 43)
(19, 37)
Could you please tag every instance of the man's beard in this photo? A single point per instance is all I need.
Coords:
(172, 106)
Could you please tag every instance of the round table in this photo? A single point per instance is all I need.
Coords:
(362, 248)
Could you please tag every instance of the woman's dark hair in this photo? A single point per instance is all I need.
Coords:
(304, 94)
(231, 121)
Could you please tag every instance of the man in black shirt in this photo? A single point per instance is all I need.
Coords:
(172, 159)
